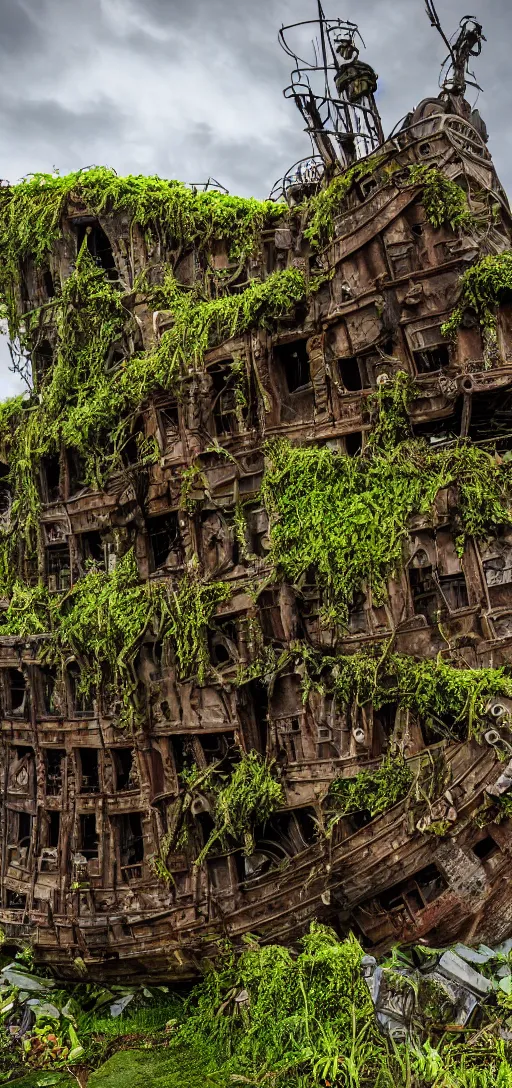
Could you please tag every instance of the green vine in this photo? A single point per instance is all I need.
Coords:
(88, 401)
(372, 791)
(347, 517)
(483, 288)
(104, 618)
(248, 798)
(187, 614)
(322, 209)
(166, 211)
(444, 201)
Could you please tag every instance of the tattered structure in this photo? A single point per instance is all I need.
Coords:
(212, 500)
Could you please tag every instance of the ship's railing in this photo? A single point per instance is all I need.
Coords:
(304, 177)
(461, 134)
(301, 180)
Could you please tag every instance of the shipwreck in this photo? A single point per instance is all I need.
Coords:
(256, 543)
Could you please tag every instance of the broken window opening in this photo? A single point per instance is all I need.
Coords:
(157, 773)
(217, 746)
(491, 419)
(358, 615)
(253, 710)
(294, 360)
(51, 479)
(224, 644)
(53, 833)
(353, 443)
(89, 770)
(16, 901)
(97, 243)
(125, 769)
(21, 771)
(131, 845)
(51, 702)
(439, 432)
(306, 827)
(416, 892)
(224, 399)
(89, 840)
(425, 599)
(486, 848)
(76, 468)
(24, 837)
(353, 374)
(58, 568)
(183, 751)
(132, 447)
(293, 832)
(169, 423)
(165, 541)
(49, 285)
(431, 360)
(384, 718)
(54, 763)
(92, 549)
(18, 695)
(81, 702)
(454, 591)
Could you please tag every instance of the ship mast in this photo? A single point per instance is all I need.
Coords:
(334, 91)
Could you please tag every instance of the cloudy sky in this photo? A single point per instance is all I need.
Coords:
(192, 88)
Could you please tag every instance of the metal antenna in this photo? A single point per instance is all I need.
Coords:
(436, 23)
(321, 19)
(455, 74)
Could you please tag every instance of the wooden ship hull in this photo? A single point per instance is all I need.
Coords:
(86, 802)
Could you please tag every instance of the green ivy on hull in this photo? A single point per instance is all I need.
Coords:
(167, 212)
(347, 518)
(483, 288)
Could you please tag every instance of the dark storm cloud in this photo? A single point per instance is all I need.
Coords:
(33, 121)
(18, 28)
(192, 88)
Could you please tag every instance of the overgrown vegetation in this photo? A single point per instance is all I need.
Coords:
(347, 518)
(449, 701)
(249, 796)
(265, 1014)
(372, 791)
(321, 210)
(483, 288)
(102, 621)
(90, 398)
(445, 202)
(241, 798)
(168, 212)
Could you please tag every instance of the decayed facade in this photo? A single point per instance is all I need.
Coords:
(85, 803)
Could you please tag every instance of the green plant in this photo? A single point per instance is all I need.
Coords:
(321, 209)
(302, 1012)
(449, 701)
(372, 791)
(186, 616)
(483, 288)
(444, 201)
(166, 211)
(248, 798)
(347, 517)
